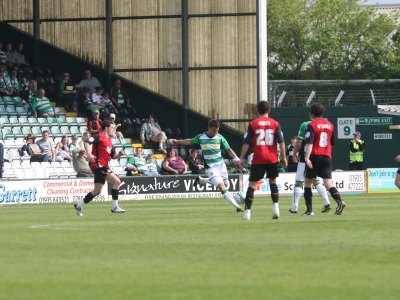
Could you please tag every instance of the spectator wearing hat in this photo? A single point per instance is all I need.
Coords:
(117, 134)
(68, 93)
(94, 125)
(80, 163)
(196, 164)
(357, 148)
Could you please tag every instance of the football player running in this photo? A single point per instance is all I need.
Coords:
(102, 151)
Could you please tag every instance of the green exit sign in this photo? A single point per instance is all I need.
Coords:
(375, 121)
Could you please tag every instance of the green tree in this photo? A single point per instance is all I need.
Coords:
(335, 39)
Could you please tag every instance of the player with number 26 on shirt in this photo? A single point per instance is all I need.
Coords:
(263, 134)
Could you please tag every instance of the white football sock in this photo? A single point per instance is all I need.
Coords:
(114, 203)
(80, 203)
(204, 180)
(228, 197)
(322, 192)
(297, 192)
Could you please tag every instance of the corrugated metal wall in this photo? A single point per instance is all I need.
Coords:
(226, 41)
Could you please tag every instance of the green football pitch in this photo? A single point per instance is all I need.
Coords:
(200, 249)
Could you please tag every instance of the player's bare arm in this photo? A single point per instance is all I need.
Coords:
(307, 155)
(185, 142)
(283, 155)
(296, 149)
(243, 153)
(232, 154)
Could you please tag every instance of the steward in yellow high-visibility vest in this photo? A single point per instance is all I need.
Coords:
(357, 147)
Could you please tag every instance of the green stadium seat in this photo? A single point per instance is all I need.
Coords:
(33, 121)
(23, 120)
(8, 100)
(17, 101)
(21, 111)
(17, 132)
(10, 110)
(26, 130)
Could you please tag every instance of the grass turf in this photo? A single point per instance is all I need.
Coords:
(200, 249)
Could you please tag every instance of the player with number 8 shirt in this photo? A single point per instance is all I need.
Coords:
(319, 139)
(263, 134)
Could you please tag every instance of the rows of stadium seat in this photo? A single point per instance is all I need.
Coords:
(11, 101)
(37, 170)
(50, 121)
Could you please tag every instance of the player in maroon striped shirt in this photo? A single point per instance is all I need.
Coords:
(102, 151)
(319, 139)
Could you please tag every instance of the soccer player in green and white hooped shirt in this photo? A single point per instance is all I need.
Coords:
(212, 143)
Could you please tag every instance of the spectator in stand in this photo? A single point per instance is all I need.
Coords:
(136, 163)
(5, 84)
(119, 97)
(24, 92)
(67, 92)
(80, 164)
(3, 56)
(94, 125)
(152, 167)
(18, 56)
(151, 132)
(173, 164)
(33, 150)
(90, 82)
(196, 164)
(9, 53)
(62, 151)
(85, 103)
(118, 134)
(47, 145)
(97, 96)
(84, 144)
(107, 101)
(74, 145)
(41, 106)
(15, 83)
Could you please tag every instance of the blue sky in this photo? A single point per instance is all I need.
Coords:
(380, 2)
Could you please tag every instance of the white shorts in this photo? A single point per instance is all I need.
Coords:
(301, 168)
(218, 174)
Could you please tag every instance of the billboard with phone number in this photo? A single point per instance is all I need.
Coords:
(346, 182)
(47, 191)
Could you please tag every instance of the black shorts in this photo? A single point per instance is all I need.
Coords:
(100, 175)
(257, 172)
(322, 167)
